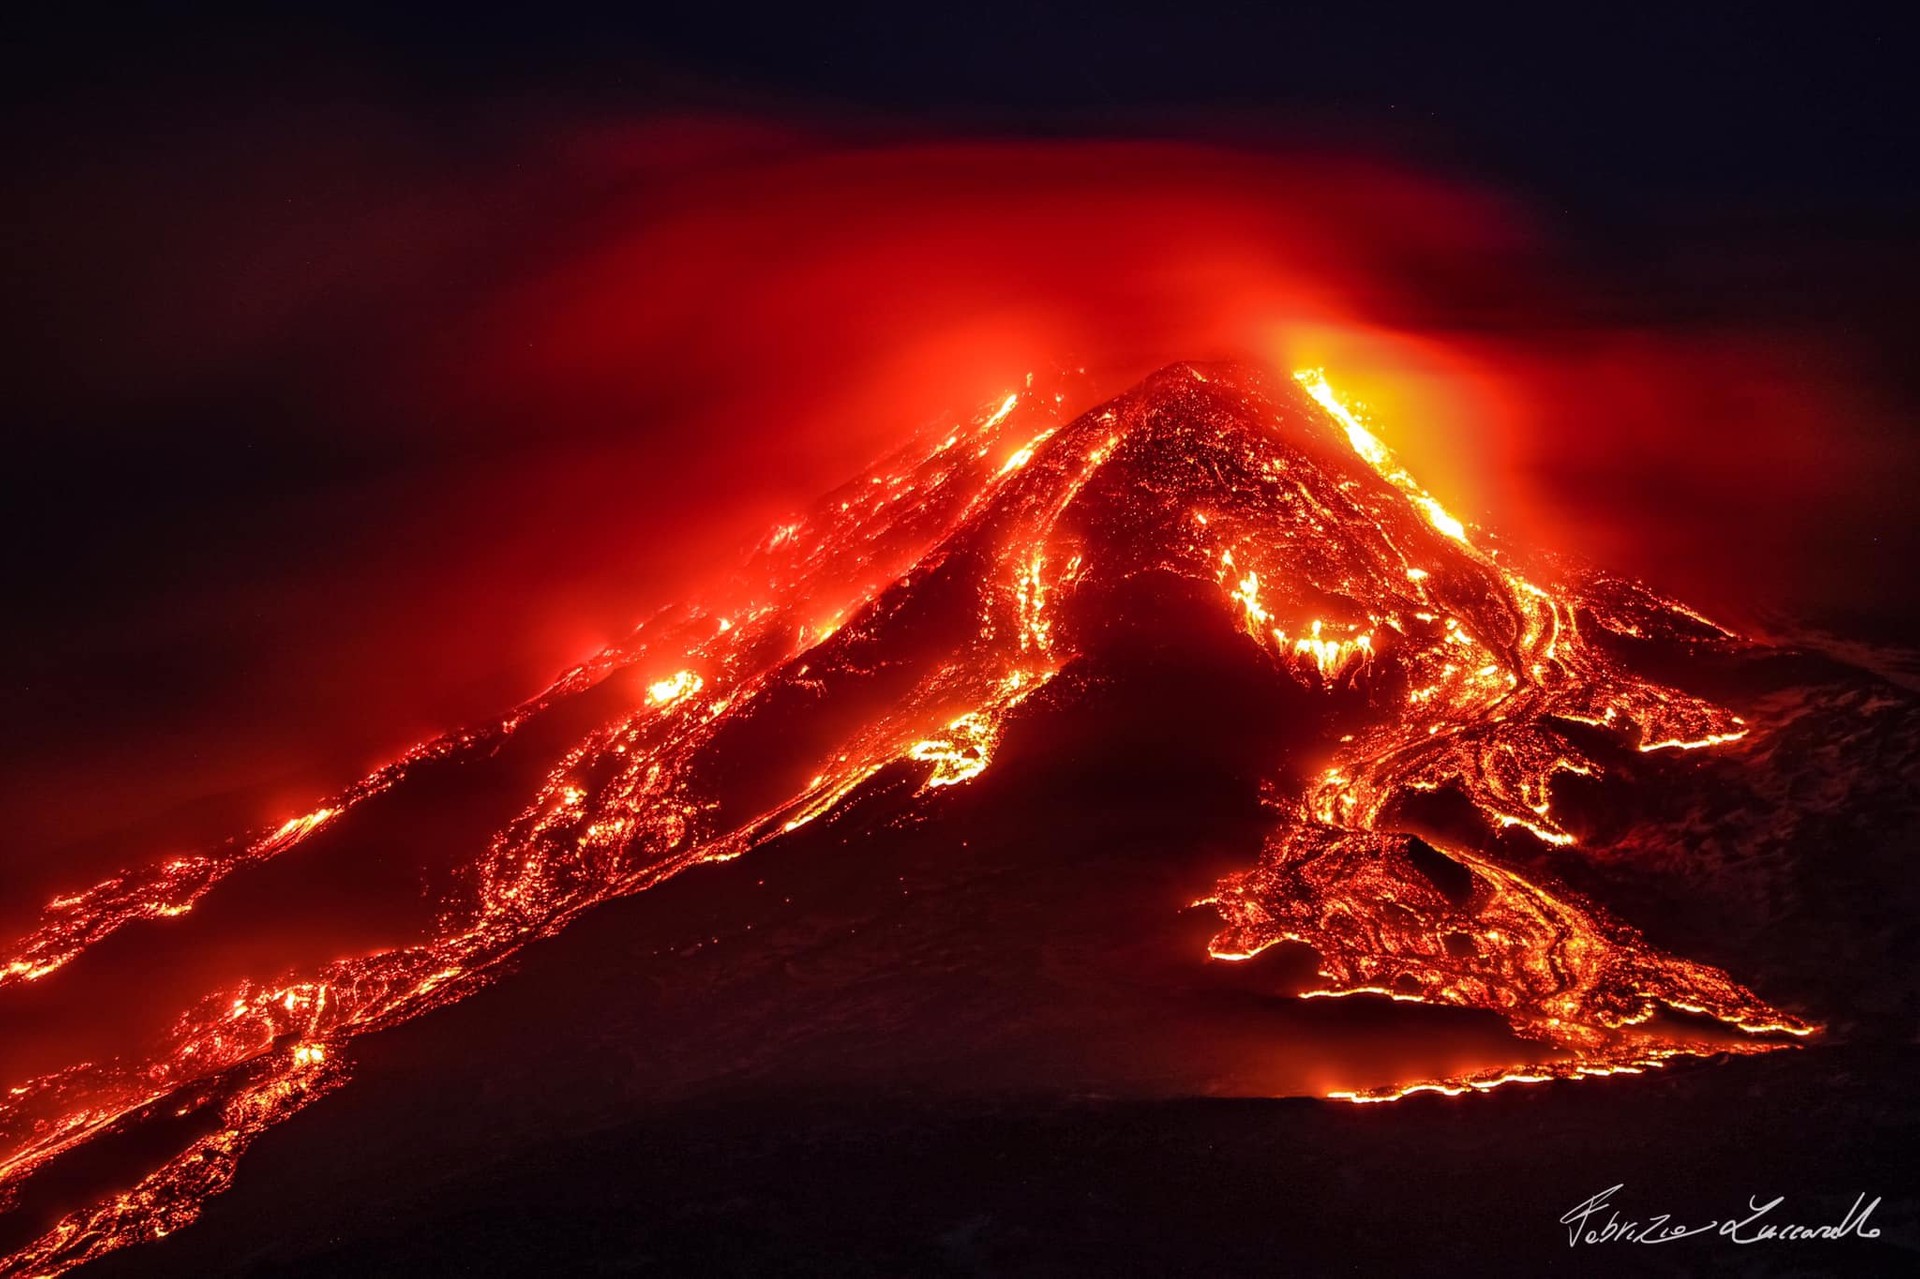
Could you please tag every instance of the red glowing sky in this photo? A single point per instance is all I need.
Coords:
(545, 386)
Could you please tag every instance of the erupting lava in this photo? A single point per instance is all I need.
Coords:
(890, 635)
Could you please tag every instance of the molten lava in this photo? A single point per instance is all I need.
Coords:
(900, 625)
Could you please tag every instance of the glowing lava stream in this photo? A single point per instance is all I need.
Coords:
(1345, 572)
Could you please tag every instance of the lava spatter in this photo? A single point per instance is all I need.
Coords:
(889, 636)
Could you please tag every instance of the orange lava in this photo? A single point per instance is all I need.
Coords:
(1335, 561)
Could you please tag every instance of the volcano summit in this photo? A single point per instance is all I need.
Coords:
(1418, 762)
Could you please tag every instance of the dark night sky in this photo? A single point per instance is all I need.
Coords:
(196, 471)
(1616, 112)
(1614, 116)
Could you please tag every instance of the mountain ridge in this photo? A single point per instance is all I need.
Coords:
(890, 641)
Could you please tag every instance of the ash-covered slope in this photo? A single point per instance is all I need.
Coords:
(869, 659)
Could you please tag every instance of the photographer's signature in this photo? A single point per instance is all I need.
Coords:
(1596, 1220)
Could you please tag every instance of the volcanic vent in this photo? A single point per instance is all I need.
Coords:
(886, 645)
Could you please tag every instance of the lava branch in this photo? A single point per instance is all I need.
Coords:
(258, 1052)
(1489, 668)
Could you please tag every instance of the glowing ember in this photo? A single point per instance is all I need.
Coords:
(1445, 669)
(674, 687)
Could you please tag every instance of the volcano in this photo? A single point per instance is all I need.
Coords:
(1188, 747)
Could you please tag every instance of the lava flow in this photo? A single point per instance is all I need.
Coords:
(888, 639)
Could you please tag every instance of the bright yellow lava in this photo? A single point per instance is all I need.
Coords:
(674, 687)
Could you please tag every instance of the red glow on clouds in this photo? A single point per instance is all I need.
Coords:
(820, 295)
(593, 363)
(770, 310)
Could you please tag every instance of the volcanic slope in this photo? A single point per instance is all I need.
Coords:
(885, 645)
